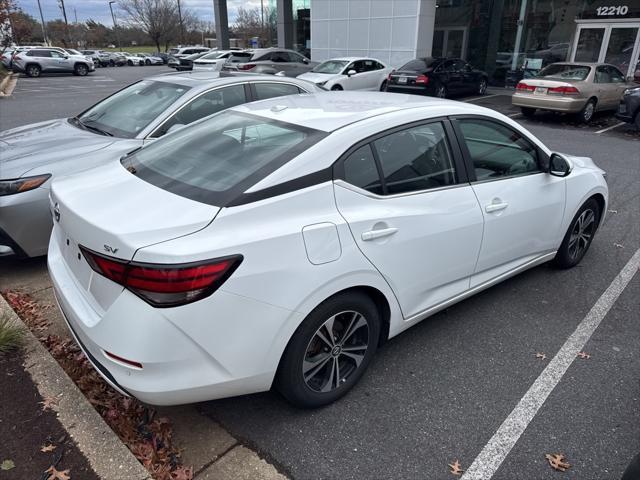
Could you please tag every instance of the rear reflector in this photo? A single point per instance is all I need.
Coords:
(563, 91)
(163, 285)
(523, 87)
(118, 358)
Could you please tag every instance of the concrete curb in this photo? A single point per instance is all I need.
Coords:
(8, 84)
(107, 455)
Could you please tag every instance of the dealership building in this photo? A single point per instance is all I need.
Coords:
(502, 37)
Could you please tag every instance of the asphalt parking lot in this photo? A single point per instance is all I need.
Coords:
(440, 391)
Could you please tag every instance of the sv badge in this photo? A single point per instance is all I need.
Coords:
(109, 249)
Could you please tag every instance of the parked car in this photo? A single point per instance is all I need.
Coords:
(183, 64)
(51, 60)
(72, 51)
(578, 88)
(293, 236)
(439, 77)
(100, 58)
(275, 60)
(163, 55)
(34, 154)
(117, 59)
(133, 60)
(350, 73)
(6, 57)
(629, 107)
(150, 59)
(180, 52)
(215, 60)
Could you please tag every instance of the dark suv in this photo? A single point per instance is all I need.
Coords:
(629, 107)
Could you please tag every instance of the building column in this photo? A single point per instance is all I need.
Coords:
(285, 23)
(426, 27)
(222, 24)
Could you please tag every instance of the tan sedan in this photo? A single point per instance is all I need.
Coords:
(578, 88)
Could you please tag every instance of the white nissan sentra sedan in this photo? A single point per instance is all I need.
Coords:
(295, 235)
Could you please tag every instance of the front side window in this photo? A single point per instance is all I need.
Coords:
(128, 112)
(616, 75)
(217, 159)
(280, 57)
(56, 54)
(271, 90)
(497, 151)
(203, 106)
(414, 159)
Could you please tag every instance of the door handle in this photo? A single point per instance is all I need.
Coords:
(373, 234)
(495, 207)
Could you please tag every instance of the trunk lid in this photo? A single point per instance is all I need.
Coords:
(114, 213)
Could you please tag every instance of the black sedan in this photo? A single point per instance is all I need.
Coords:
(184, 63)
(629, 108)
(439, 77)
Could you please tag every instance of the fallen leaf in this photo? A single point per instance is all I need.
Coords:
(57, 474)
(48, 403)
(557, 461)
(7, 464)
(612, 211)
(618, 245)
(541, 356)
(182, 473)
(456, 468)
(584, 355)
(48, 448)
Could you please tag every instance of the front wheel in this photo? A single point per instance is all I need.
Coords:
(329, 351)
(578, 238)
(528, 111)
(336, 88)
(383, 87)
(441, 91)
(81, 70)
(482, 88)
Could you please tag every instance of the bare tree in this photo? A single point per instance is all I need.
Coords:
(157, 18)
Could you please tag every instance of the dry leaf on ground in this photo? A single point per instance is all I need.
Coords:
(557, 461)
(7, 465)
(57, 474)
(48, 448)
(456, 468)
(541, 356)
(584, 355)
(48, 403)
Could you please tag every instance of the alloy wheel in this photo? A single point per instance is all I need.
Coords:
(581, 234)
(588, 111)
(335, 351)
(483, 87)
(441, 92)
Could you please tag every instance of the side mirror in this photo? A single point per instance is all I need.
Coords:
(559, 166)
(305, 60)
(351, 72)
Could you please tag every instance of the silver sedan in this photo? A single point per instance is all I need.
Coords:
(32, 155)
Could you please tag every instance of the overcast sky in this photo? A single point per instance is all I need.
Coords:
(99, 9)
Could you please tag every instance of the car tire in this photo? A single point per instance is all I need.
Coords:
(637, 120)
(351, 317)
(33, 70)
(130, 63)
(586, 114)
(81, 70)
(336, 88)
(528, 111)
(441, 91)
(148, 62)
(112, 63)
(383, 87)
(482, 87)
(579, 236)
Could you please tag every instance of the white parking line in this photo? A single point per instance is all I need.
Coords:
(493, 454)
(480, 98)
(610, 128)
(512, 115)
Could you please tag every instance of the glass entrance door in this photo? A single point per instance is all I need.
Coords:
(614, 43)
(450, 42)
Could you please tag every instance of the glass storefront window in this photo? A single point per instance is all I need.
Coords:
(589, 42)
(620, 48)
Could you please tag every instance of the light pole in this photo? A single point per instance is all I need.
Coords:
(44, 29)
(115, 25)
(181, 24)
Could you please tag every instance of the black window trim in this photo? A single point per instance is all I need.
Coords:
(454, 148)
(471, 172)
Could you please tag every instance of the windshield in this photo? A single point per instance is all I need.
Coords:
(330, 66)
(129, 111)
(221, 156)
(565, 72)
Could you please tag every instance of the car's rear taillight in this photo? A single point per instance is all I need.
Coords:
(524, 87)
(246, 66)
(163, 285)
(422, 80)
(563, 91)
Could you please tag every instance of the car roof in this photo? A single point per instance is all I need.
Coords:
(350, 59)
(201, 80)
(329, 111)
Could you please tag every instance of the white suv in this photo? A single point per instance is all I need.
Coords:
(55, 60)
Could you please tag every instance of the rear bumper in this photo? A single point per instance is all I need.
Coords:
(218, 347)
(545, 102)
(410, 89)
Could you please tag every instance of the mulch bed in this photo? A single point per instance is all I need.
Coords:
(26, 426)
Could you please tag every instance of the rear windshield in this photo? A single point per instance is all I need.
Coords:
(215, 160)
(565, 72)
(419, 64)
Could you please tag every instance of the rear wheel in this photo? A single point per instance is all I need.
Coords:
(637, 122)
(482, 87)
(528, 111)
(329, 351)
(441, 91)
(33, 70)
(130, 63)
(383, 87)
(81, 69)
(586, 114)
(336, 88)
(112, 63)
(578, 238)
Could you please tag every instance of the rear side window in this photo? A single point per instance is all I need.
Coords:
(39, 53)
(360, 170)
(216, 160)
(271, 90)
